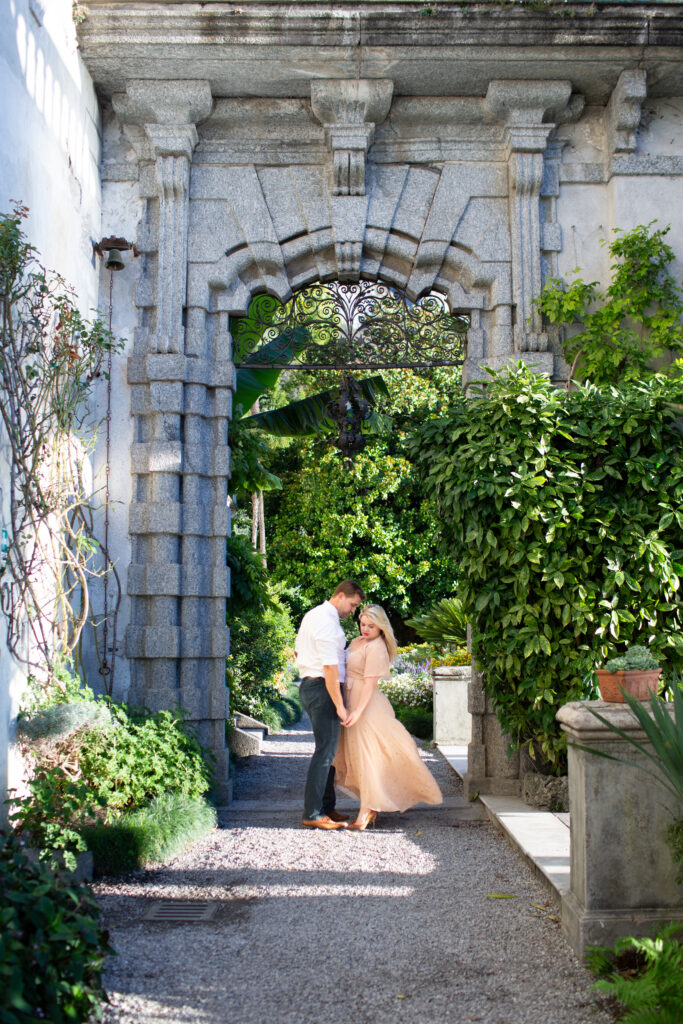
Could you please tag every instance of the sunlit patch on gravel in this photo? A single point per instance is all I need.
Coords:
(316, 891)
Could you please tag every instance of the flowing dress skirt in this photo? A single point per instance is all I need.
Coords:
(378, 761)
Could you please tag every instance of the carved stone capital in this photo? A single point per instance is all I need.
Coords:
(528, 138)
(349, 109)
(163, 102)
(526, 147)
(530, 102)
(177, 140)
(623, 111)
(351, 101)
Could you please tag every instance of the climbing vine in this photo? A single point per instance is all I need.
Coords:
(49, 357)
(633, 323)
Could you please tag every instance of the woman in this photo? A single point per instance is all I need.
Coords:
(377, 759)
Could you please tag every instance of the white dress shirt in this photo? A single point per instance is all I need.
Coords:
(320, 641)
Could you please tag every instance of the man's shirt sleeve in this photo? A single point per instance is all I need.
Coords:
(327, 644)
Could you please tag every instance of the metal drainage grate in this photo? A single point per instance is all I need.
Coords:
(181, 911)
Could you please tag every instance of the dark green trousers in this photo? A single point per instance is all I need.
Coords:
(319, 797)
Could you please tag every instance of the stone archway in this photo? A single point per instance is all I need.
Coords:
(219, 227)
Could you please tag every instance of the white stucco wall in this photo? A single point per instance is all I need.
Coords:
(589, 211)
(49, 160)
(120, 217)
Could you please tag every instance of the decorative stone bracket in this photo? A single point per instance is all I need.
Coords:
(167, 112)
(624, 110)
(349, 109)
(529, 110)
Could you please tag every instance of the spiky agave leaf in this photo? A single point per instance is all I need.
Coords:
(664, 733)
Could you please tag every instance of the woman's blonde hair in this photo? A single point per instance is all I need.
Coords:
(379, 618)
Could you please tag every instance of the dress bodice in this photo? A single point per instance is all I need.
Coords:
(367, 658)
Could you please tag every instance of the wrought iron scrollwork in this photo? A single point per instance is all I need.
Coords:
(363, 325)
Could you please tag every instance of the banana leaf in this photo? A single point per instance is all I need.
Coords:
(308, 416)
(256, 376)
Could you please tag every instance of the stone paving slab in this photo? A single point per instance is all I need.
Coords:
(541, 836)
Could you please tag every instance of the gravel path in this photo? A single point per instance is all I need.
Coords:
(391, 926)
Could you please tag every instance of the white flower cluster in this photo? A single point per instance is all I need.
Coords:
(409, 689)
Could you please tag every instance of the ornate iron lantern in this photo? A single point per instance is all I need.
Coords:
(349, 412)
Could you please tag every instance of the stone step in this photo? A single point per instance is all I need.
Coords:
(243, 721)
(245, 742)
(260, 734)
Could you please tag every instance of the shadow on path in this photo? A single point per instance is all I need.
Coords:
(404, 923)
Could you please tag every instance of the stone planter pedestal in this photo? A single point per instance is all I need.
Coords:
(489, 768)
(452, 719)
(622, 877)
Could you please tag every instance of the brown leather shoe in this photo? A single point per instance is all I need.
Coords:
(336, 816)
(324, 822)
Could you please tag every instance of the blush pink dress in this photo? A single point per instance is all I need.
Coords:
(377, 759)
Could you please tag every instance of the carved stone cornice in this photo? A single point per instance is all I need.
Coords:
(349, 109)
(624, 110)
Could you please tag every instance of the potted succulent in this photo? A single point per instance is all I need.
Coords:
(636, 672)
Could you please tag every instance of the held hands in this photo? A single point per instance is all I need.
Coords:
(352, 717)
(342, 714)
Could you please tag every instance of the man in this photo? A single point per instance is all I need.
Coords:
(321, 660)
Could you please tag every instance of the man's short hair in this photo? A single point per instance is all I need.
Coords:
(349, 588)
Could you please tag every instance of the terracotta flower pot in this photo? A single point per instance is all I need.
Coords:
(639, 684)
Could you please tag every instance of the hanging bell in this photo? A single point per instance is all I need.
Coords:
(114, 260)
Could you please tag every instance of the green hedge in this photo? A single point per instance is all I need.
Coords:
(417, 721)
(565, 513)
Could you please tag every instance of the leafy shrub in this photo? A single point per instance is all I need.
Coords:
(432, 655)
(52, 948)
(53, 813)
(57, 724)
(564, 511)
(369, 522)
(443, 623)
(260, 646)
(157, 832)
(634, 322)
(645, 976)
(144, 755)
(284, 710)
(91, 774)
(248, 578)
(674, 837)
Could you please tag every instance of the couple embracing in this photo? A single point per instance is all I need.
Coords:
(359, 744)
